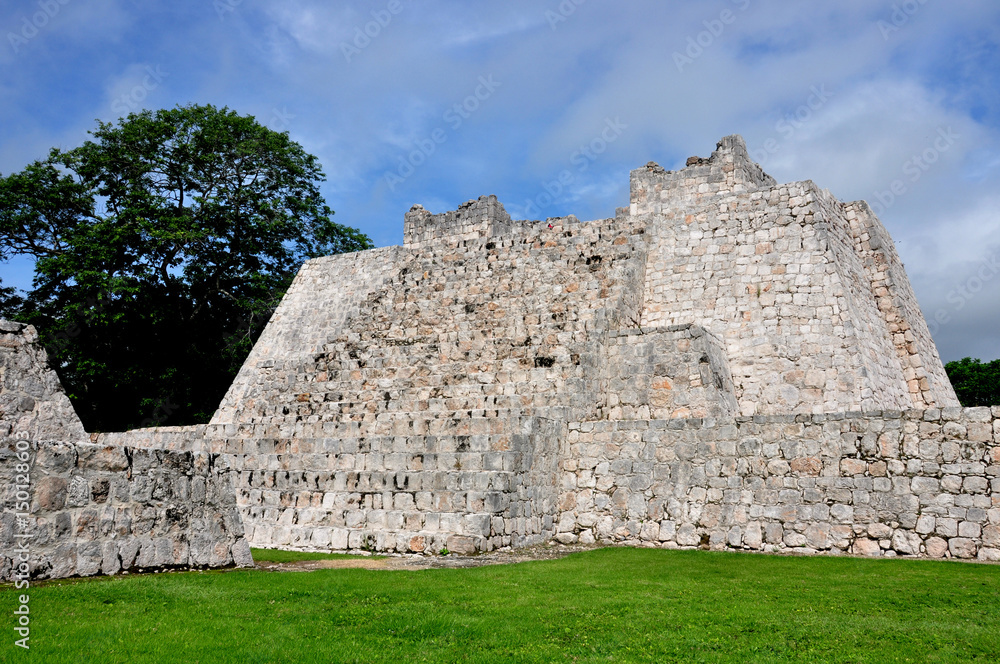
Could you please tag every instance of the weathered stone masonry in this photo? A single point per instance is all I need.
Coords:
(495, 383)
(728, 362)
(890, 483)
(100, 507)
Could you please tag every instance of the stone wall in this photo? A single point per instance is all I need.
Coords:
(104, 510)
(472, 220)
(78, 508)
(406, 396)
(880, 483)
(496, 383)
(664, 373)
(32, 401)
(428, 403)
(469, 486)
(926, 380)
(814, 319)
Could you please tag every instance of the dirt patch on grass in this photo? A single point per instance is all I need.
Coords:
(418, 562)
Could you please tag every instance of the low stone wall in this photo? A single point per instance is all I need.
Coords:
(480, 485)
(175, 439)
(921, 483)
(138, 500)
(102, 510)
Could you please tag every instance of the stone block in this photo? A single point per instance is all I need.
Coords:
(866, 547)
(687, 535)
(961, 547)
(51, 493)
(810, 466)
(462, 545)
(925, 524)
(989, 555)
(906, 542)
(936, 547)
(850, 466)
(970, 529)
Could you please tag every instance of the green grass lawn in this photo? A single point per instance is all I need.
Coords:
(609, 605)
(278, 556)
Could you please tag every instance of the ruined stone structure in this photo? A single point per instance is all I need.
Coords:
(728, 362)
(75, 508)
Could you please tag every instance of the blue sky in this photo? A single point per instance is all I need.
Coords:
(441, 102)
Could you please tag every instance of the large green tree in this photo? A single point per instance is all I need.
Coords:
(976, 383)
(161, 247)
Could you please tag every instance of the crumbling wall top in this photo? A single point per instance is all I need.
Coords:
(473, 219)
(728, 170)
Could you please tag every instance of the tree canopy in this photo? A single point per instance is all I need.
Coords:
(976, 383)
(161, 246)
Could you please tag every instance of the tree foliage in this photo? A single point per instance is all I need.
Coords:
(976, 383)
(162, 245)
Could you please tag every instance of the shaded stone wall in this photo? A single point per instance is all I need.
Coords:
(471, 486)
(77, 508)
(103, 510)
(664, 373)
(921, 483)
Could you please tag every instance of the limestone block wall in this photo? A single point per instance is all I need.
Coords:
(787, 277)
(103, 510)
(459, 342)
(760, 273)
(880, 383)
(32, 401)
(728, 171)
(881, 483)
(680, 371)
(466, 486)
(926, 380)
(474, 219)
(72, 507)
(324, 295)
(467, 327)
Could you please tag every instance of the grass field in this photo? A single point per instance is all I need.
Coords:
(276, 556)
(608, 605)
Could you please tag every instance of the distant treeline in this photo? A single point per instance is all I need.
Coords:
(976, 383)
